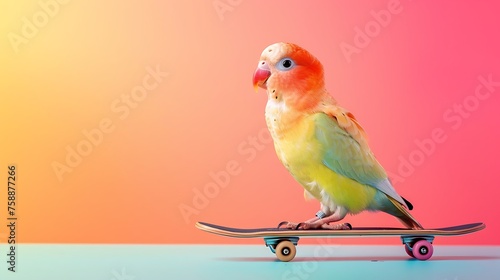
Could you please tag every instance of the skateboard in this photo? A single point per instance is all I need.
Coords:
(283, 242)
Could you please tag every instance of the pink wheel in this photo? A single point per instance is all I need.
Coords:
(422, 250)
(408, 250)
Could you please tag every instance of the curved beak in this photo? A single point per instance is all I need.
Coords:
(261, 75)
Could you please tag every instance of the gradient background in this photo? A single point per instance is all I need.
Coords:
(204, 115)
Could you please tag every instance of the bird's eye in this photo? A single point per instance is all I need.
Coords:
(286, 64)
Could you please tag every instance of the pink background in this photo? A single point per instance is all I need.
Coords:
(204, 117)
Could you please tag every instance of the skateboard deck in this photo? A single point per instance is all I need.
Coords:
(282, 242)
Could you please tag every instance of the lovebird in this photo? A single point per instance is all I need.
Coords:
(321, 144)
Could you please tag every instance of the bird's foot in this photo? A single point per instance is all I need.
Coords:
(315, 225)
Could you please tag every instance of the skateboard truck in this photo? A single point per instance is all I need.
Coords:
(418, 247)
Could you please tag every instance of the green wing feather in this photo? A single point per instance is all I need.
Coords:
(344, 155)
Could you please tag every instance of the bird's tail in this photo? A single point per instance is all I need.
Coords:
(404, 216)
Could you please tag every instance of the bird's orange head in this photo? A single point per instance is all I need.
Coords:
(286, 70)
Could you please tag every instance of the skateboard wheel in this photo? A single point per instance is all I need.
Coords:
(285, 251)
(409, 251)
(422, 250)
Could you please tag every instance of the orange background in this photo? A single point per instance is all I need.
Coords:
(204, 118)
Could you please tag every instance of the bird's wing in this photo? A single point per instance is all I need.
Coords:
(346, 152)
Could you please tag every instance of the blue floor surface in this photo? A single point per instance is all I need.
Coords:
(148, 262)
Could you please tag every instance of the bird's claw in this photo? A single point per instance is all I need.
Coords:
(289, 225)
(314, 225)
(282, 224)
